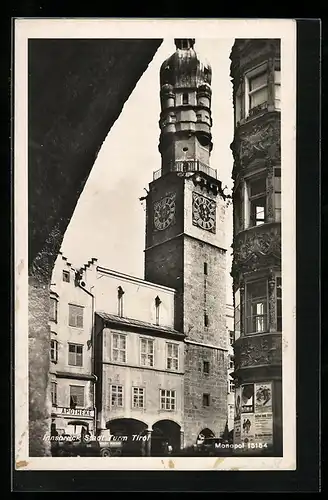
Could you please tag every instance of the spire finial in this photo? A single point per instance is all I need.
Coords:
(184, 43)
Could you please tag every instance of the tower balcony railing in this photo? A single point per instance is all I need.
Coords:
(185, 166)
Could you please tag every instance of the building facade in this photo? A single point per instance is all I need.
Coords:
(256, 269)
(185, 237)
(71, 372)
(139, 362)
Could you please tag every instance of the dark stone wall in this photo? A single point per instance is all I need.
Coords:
(196, 383)
(76, 91)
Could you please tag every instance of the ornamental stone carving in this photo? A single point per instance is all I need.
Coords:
(258, 350)
(261, 141)
(256, 249)
(257, 241)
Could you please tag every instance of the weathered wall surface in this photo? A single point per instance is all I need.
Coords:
(76, 91)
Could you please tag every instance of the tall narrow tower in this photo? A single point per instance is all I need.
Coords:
(185, 237)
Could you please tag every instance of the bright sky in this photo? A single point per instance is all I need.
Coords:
(109, 220)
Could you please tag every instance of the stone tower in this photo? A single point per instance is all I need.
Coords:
(185, 237)
(256, 270)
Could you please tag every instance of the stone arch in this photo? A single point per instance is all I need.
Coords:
(205, 433)
(165, 433)
(130, 432)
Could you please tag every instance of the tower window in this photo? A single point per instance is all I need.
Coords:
(120, 293)
(206, 400)
(231, 337)
(205, 268)
(206, 367)
(206, 322)
(185, 98)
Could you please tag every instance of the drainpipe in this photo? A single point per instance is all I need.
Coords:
(95, 378)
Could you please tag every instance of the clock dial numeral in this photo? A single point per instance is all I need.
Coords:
(204, 212)
(164, 212)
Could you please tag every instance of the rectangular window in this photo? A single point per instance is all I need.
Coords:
(76, 395)
(279, 303)
(258, 90)
(237, 314)
(116, 396)
(138, 397)
(146, 352)
(54, 393)
(277, 194)
(231, 364)
(231, 337)
(257, 201)
(277, 86)
(75, 316)
(206, 400)
(53, 309)
(54, 351)
(66, 276)
(256, 307)
(205, 268)
(75, 354)
(231, 386)
(172, 361)
(119, 347)
(206, 367)
(185, 98)
(206, 322)
(168, 400)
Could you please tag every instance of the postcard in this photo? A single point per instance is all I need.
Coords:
(155, 295)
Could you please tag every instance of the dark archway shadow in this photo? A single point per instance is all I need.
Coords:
(166, 438)
(130, 431)
(205, 433)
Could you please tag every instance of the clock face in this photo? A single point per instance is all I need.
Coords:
(203, 212)
(164, 212)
